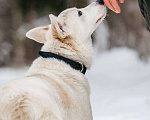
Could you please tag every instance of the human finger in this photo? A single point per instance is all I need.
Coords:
(121, 1)
(115, 5)
(109, 5)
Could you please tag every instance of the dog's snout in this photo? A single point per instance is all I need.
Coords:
(100, 2)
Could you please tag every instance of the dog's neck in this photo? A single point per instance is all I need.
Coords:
(77, 51)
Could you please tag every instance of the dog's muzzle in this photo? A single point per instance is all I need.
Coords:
(100, 2)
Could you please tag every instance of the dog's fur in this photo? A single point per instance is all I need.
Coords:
(51, 89)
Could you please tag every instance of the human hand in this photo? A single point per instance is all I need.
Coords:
(113, 5)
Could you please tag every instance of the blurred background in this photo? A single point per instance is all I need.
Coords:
(120, 74)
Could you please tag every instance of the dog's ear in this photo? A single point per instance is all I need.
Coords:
(38, 34)
(57, 27)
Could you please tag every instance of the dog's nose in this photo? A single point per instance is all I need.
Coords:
(100, 2)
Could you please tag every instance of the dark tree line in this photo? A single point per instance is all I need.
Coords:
(6, 31)
(16, 13)
(17, 16)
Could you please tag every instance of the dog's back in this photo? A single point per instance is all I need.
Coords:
(27, 99)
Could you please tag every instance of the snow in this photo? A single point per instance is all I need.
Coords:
(8, 74)
(120, 85)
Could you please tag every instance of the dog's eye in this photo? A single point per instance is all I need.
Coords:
(80, 13)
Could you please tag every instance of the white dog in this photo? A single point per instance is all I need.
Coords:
(55, 87)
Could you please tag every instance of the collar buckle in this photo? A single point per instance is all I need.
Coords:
(82, 67)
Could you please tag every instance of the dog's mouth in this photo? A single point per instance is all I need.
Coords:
(100, 19)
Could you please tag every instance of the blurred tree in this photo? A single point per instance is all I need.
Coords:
(128, 29)
(41, 5)
(77, 3)
(6, 31)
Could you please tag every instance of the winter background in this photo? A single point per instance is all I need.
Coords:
(120, 74)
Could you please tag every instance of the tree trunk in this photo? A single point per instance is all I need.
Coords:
(77, 3)
(6, 31)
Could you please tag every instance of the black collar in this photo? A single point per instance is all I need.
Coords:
(73, 64)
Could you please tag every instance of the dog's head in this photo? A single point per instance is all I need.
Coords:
(73, 23)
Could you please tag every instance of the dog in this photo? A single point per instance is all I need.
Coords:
(55, 87)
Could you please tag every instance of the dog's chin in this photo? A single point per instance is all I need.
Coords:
(100, 19)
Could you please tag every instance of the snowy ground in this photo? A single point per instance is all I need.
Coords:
(120, 85)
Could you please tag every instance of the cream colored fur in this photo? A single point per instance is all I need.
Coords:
(51, 89)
